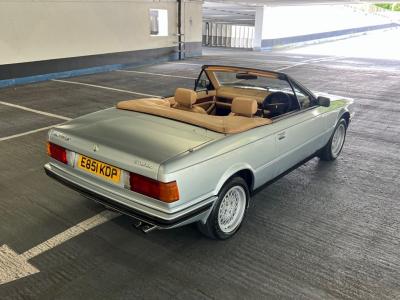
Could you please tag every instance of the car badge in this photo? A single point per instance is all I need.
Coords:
(143, 164)
(61, 136)
(95, 148)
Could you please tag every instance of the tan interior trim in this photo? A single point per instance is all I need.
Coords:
(205, 94)
(213, 79)
(222, 124)
(171, 100)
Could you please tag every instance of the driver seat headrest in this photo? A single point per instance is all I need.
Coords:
(185, 97)
(184, 100)
(245, 107)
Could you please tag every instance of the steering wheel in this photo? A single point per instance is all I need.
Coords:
(277, 103)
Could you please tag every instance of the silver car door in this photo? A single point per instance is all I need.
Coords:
(300, 135)
(263, 155)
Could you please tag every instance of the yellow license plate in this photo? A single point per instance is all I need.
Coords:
(99, 168)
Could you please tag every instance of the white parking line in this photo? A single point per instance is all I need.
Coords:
(14, 266)
(35, 111)
(308, 61)
(270, 61)
(27, 132)
(330, 58)
(104, 216)
(304, 62)
(106, 88)
(156, 74)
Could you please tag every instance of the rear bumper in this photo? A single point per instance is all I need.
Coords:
(172, 220)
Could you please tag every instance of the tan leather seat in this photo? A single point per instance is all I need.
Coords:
(244, 107)
(185, 99)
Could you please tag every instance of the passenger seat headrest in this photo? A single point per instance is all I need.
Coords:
(244, 106)
(185, 97)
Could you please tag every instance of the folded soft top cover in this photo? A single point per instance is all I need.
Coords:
(222, 124)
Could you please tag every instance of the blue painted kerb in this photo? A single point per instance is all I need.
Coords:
(77, 72)
(65, 74)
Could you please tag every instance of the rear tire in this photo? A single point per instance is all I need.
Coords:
(335, 144)
(228, 212)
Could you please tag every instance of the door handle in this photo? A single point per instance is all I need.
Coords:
(281, 135)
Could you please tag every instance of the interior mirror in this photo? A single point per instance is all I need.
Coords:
(245, 76)
(324, 101)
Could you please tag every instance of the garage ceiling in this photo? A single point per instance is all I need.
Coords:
(228, 13)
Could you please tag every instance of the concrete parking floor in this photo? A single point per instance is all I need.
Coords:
(326, 230)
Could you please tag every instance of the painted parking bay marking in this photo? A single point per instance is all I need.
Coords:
(27, 132)
(14, 266)
(311, 61)
(106, 88)
(35, 111)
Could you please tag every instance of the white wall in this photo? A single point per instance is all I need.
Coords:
(42, 30)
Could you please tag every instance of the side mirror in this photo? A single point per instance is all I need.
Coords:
(323, 101)
(202, 84)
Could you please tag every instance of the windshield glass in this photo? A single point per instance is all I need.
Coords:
(249, 81)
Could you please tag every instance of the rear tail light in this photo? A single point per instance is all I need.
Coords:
(57, 152)
(166, 192)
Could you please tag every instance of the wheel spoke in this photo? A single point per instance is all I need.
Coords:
(338, 140)
(232, 209)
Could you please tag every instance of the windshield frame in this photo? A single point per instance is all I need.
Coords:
(210, 69)
(271, 82)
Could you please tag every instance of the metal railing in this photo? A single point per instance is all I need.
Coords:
(227, 35)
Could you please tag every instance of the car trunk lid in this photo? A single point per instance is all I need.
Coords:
(129, 140)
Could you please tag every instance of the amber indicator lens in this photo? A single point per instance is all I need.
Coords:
(166, 192)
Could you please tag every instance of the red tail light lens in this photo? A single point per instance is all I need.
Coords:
(57, 152)
(166, 192)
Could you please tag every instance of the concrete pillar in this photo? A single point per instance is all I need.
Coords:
(258, 27)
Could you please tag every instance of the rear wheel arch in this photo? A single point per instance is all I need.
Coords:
(245, 173)
(229, 210)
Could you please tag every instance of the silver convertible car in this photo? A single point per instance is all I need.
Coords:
(198, 156)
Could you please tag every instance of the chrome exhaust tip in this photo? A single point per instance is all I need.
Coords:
(144, 227)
